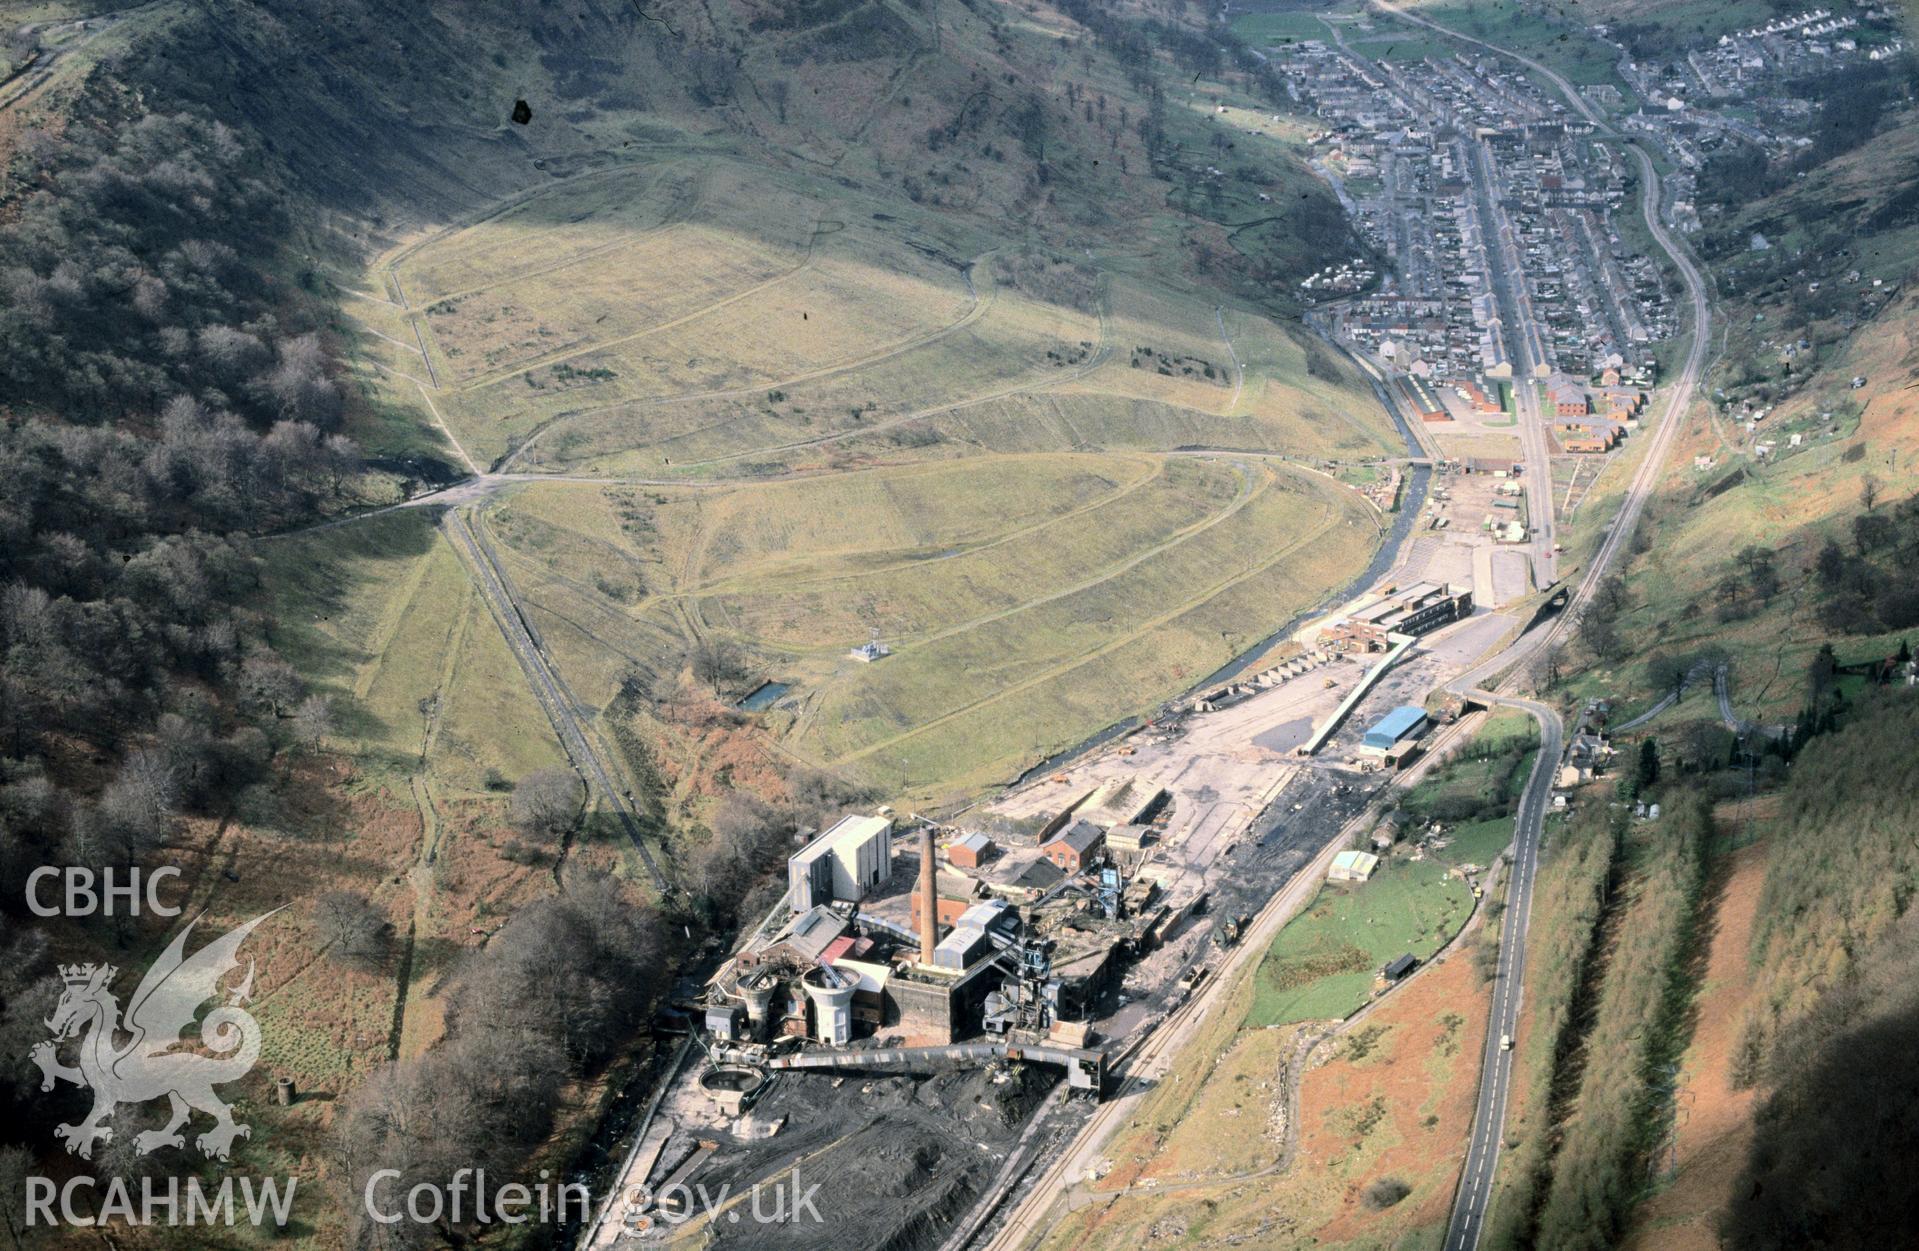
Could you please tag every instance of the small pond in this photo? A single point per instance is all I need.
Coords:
(762, 696)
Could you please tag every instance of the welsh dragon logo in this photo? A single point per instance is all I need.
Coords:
(153, 1061)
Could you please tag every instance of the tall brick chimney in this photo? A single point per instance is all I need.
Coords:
(929, 896)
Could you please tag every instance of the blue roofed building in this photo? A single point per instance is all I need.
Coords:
(1398, 726)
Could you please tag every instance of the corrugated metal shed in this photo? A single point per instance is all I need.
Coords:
(1402, 722)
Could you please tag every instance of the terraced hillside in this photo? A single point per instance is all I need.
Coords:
(1026, 599)
(701, 315)
(1041, 455)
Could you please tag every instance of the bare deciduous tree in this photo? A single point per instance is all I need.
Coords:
(352, 930)
(717, 662)
(268, 682)
(1596, 631)
(1543, 670)
(132, 816)
(312, 721)
(546, 804)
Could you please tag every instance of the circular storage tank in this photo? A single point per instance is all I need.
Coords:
(832, 997)
(732, 1086)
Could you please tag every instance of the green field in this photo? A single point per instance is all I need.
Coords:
(1402, 44)
(1561, 42)
(1322, 964)
(1263, 29)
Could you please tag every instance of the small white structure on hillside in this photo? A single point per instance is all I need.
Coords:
(1352, 866)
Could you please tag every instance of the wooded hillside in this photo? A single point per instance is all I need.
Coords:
(1836, 957)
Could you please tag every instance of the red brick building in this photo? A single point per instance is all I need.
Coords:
(969, 851)
(1074, 846)
(1567, 397)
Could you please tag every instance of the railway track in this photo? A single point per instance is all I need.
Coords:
(580, 740)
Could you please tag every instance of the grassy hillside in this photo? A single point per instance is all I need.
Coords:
(1079, 586)
(892, 239)
(737, 243)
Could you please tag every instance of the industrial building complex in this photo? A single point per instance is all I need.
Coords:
(987, 940)
(1012, 929)
(1416, 610)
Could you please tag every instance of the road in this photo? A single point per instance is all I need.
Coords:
(480, 485)
(1508, 277)
(1672, 697)
(1495, 1087)
(1239, 368)
(1721, 690)
(1482, 1158)
(579, 739)
(57, 40)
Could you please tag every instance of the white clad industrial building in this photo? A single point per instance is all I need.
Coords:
(844, 863)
